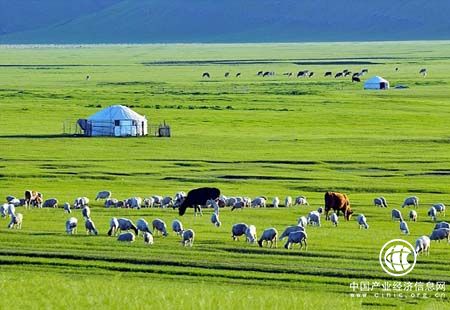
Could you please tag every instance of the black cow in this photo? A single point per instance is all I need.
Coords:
(206, 75)
(260, 73)
(227, 74)
(238, 74)
(267, 73)
(339, 74)
(311, 74)
(198, 197)
(356, 79)
(328, 73)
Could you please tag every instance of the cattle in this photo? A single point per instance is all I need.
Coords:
(88, 77)
(238, 74)
(356, 74)
(347, 73)
(338, 202)
(198, 197)
(206, 75)
(338, 75)
(289, 74)
(364, 71)
(303, 73)
(423, 72)
(356, 79)
(310, 74)
(267, 73)
(260, 73)
(227, 74)
(328, 73)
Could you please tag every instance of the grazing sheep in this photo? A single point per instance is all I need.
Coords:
(80, 202)
(86, 212)
(126, 224)
(90, 227)
(423, 72)
(238, 230)
(142, 225)
(111, 202)
(247, 201)
(411, 201)
(432, 213)
(314, 218)
(66, 207)
(103, 195)
(238, 205)
(166, 202)
(423, 245)
(302, 221)
(404, 227)
(215, 219)
(297, 237)
(250, 234)
(187, 237)
(214, 205)
(177, 227)
(442, 225)
(362, 221)
(231, 201)
(133, 202)
(15, 202)
(149, 202)
(275, 202)
(288, 201)
(4, 209)
(10, 198)
(36, 200)
(396, 215)
(301, 200)
(268, 235)
(126, 237)
(440, 207)
(148, 238)
(50, 203)
(113, 227)
(160, 226)
(334, 219)
(290, 229)
(413, 215)
(380, 202)
(259, 202)
(71, 226)
(16, 221)
(440, 234)
(157, 200)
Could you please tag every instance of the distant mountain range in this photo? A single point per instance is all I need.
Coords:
(154, 21)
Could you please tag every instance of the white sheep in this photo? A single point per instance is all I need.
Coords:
(149, 202)
(148, 238)
(411, 201)
(396, 215)
(432, 213)
(126, 237)
(423, 245)
(111, 202)
(238, 230)
(126, 224)
(442, 225)
(80, 202)
(90, 227)
(250, 234)
(103, 195)
(166, 202)
(133, 202)
(214, 205)
(268, 235)
(301, 200)
(4, 208)
(275, 202)
(302, 221)
(404, 227)
(142, 225)
(50, 203)
(334, 219)
(157, 200)
(362, 221)
(297, 237)
(177, 227)
(16, 221)
(440, 234)
(380, 202)
(259, 202)
(71, 225)
(113, 227)
(413, 215)
(187, 237)
(440, 207)
(66, 207)
(314, 218)
(215, 219)
(238, 205)
(290, 229)
(160, 226)
(86, 212)
(288, 201)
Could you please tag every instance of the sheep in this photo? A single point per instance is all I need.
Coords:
(15, 202)
(133, 202)
(187, 237)
(302, 221)
(362, 221)
(301, 200)
(80, 202)
(50, 203)
(404, 227)
(148, 238)
(86, 212)
(66, 207)
(126, 224)
(149, 202)
(380, 202)
(440, 207)
(268, 235)
(411, 201)
(71, 225)
(16, 221)
(177, 227)
(250, 234)
(413, 215)
(113, 227)
(334, 219)
(214, 205)
(5, 209)
(160, 226)
(440, 234)
(297, 237)
(238, 205)
(10, 198)
(320, 210)
(423, 72)
(314, 218)
(442, 225)
(423, 245)
(259, 202)
(166, 202)
(90, 227)
(103, 195)
(432, 213)
(111, 202)
(215, 219)
(396, 215)
(231, 201)
(290, 229)
(238, 230)
(142, 225)
(288, 201)
(247, 201)
(126, 237)
(275, 202)
(157, 200)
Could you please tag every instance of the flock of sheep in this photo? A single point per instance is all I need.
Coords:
(295, 234)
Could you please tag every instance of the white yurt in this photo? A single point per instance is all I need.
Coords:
(376, 82)
(115, 121)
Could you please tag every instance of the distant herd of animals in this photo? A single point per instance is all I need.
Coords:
(308, 74)
(334, 204)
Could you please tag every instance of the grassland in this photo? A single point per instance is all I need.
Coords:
(249, 136)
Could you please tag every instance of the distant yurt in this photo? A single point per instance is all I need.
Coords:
(376, 83)
(114, 121)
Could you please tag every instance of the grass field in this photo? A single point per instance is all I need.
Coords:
(248, 136)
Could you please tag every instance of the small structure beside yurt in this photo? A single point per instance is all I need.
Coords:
(114, 121)
(376, 82)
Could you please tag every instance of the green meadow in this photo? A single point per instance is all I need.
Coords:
(248, 136)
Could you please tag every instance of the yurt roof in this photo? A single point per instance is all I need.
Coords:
(376, 80)
(116, 112)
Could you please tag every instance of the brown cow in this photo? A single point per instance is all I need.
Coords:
(337, 202)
